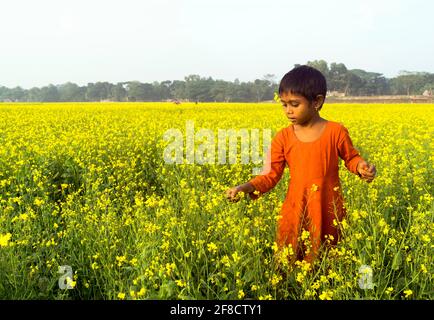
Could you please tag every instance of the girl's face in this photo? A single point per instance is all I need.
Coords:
(297, 108)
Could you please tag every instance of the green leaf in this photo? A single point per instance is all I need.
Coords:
(397, 261)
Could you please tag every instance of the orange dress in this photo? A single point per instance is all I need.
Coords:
(313, 199)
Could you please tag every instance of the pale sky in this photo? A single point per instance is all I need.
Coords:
(55, 41)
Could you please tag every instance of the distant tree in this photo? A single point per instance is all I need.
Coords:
(271, 78)
(118, 92)
(17, 94)
(338, 78)
(261, 88)
(409, 82)
(320, 65)
(221, 91)
(353, 84)
(197, 88)
(247, 92)
(98, 91)
(373, 83)
(71, 92)
(137, 91)
(177, 90)
(49, 94)
(134, 91)
(34, 94)
(3, 93)
(164, 89)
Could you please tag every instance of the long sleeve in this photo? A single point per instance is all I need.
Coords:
(347, 152)
(273, 168)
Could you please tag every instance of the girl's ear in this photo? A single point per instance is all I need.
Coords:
(318, 102)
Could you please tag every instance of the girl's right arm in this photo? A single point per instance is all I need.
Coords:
(274, 166)
(269, 177)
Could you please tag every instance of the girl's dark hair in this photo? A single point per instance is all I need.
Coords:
(304, 80)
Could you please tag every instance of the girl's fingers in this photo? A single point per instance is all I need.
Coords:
(368, 174)
(231, 195)
(368, 177)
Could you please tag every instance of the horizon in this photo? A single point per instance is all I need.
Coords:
(172, 80)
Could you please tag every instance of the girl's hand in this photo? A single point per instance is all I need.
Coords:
(233, 194)
(367, 171)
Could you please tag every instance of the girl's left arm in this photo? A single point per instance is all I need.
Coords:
(347, 152)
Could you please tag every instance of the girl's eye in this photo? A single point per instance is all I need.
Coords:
(292, 105)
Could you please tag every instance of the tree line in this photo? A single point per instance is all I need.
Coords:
(340, 81)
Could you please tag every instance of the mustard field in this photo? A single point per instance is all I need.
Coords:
(90, 208)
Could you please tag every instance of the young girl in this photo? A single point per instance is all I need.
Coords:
(311, 147)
